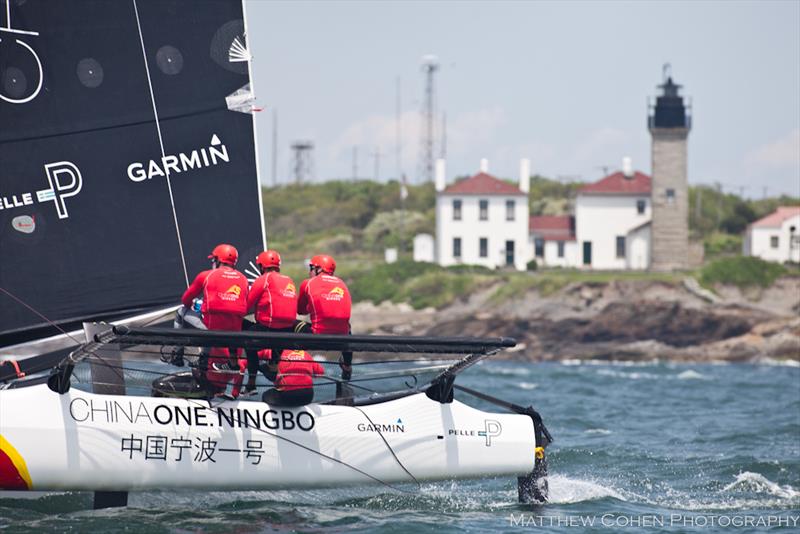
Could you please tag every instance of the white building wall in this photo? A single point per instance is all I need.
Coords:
(424, 248)
(599, 219)
(638, 253)
(570, 259)
(760, 241)
(470, 229)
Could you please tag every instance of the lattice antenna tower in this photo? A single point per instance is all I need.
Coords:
(430, 64)
(303, 161)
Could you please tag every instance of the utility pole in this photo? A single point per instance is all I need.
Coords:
(398, 132)
(443, 152)
(430, 64)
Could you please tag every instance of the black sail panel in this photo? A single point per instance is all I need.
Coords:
(88, 224)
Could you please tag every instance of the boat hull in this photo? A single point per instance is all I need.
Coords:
(86, 441)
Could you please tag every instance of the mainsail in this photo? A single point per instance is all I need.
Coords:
(121, 161)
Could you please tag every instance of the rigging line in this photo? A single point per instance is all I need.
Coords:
(161, 143)
(34, 310)
(319, 453)
(391, 450)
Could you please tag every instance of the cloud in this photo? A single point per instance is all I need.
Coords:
(780, 153)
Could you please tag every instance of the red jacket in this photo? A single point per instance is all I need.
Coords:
(274, 298)
(326, 298)
(296, 369)
(224, 291)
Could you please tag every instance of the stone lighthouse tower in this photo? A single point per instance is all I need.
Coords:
(669, 121)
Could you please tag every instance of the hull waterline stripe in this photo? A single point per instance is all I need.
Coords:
(17, 461)
(161, 143)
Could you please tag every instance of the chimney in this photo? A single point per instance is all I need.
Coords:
(441, 175)
(627, 167)
(484, 165)
(525, 175)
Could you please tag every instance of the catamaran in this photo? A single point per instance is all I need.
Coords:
(128, 151)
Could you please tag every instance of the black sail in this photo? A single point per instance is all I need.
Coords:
(123, 154)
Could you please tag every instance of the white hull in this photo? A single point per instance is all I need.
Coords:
(84, 441)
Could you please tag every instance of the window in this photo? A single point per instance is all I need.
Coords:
(774, 241)
(484, 210)
(538, 247)
(560, 249)
(620, 246)
(484, 247)
(641, 204)
(456, 247)
(510, 205)
(670, 196)
(457, 209)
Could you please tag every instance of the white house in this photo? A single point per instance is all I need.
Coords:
(482, 220)
(612, 221)
(776, 237)
(552, 240)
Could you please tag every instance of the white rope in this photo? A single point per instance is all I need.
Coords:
(161, 143)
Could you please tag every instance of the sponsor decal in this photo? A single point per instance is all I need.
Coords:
(233, 291)
(491, 429)
(24, 223)
(129, 412)
(65, 181)
(13, 470)
(391, 428)
(336, 294)
(289, 290)
(214, 154)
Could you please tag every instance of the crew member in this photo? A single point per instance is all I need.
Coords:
(274, 298)
(293, 378)
(224, 291)
(326, 299)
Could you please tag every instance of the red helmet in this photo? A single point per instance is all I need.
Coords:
(325, 263)
(268, 258)
(225, 253)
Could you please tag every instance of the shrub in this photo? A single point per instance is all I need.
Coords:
(532, 265)
(741, 271)
(719, 244)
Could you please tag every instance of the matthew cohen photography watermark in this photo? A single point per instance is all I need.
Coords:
(619, 521)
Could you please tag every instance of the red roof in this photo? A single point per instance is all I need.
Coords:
(483, 184)
(776, 218)
(553, 227)
(619, 184)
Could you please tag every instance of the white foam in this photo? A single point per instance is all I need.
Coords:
(528, 385)
(508, 371)
(565, 490)
(756, 482)
(778, 363)
(691, 374)
(630, 376)
(602, 431)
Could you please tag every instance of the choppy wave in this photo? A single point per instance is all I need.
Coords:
(758, 483)
(565, 490)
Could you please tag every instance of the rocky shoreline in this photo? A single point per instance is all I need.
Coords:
(631, 320)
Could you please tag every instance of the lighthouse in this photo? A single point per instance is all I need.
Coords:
(669, 121)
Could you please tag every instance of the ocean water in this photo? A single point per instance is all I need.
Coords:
(638, 448)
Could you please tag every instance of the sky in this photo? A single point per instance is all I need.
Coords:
(565, 84)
